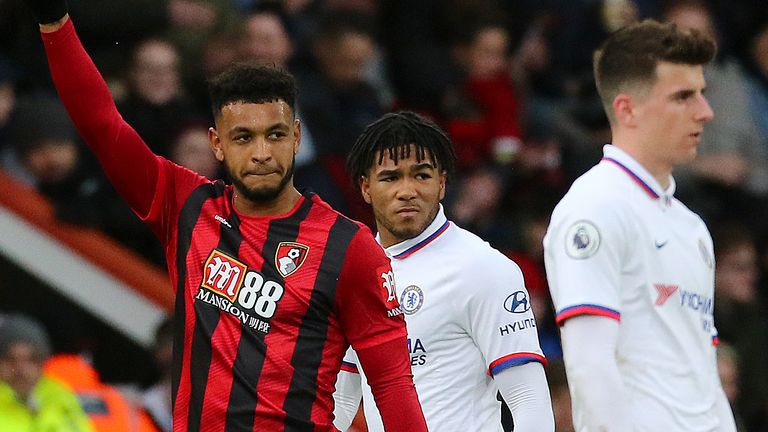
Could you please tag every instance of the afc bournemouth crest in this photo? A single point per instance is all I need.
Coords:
(289, 257)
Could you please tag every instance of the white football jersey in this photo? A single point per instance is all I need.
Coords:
(469, 317)
(620, 246)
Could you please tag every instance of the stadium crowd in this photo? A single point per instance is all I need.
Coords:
(511, 82)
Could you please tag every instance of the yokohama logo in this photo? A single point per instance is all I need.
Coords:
(665, 292)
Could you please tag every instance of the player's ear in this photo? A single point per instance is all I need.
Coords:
(624, 109)
(213, 137)
(296, 136)
(443, 181)
(365, 188)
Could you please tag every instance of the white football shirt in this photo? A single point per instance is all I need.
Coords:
(620, 246)
(469, 317)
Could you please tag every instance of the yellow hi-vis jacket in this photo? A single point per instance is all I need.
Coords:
(51, 408)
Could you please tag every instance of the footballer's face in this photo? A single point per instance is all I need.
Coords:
(671, 116)
(257, 143)
(405, 195)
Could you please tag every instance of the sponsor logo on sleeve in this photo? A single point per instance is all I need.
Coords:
(517, 303)
(289, 257)
(388, 284)
(582, 240)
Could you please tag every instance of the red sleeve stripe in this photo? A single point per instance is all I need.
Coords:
(349, 367)
(516, 359)
(586, 309)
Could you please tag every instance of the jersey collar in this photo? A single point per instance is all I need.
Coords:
(406, 248)
(638, 174)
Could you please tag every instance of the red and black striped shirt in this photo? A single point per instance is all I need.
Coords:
(268, 304)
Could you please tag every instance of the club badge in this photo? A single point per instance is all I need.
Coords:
(705, 254)
(289, 257)
(411, 300)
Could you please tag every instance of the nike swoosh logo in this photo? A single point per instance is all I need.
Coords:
(659, 244)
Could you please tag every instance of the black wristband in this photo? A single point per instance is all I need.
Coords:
(48, 11)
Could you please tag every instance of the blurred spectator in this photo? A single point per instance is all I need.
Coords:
(265, 40)
(337, 103)
(29, 401)
(757, 64)
(157, 105)
(740, 318)
(418, 42)
(7, 98)
(476, 206)
(194, 27)
(80, 194)
(8, 157)
(732, 151)
(482, 117)
(192, 149)
(48, 153)
(157, 399)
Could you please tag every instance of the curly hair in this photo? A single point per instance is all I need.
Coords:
(251, 83)
(395, 134)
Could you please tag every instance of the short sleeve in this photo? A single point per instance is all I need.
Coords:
(366, 297)
(501, 321)
(584, 251)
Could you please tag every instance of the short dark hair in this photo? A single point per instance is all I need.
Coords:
(394, 134)
(630, 55)
(251, 83)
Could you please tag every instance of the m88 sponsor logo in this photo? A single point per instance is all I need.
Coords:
(229, 285)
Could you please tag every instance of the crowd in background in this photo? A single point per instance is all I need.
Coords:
(510, 81)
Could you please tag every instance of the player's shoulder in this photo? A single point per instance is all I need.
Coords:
(595, 186)
(478, 255)
(597, 194)
(324, 213)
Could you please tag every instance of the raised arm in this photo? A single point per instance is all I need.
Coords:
(128, 162)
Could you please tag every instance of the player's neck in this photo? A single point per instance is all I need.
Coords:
(283, 203)
(659, 169)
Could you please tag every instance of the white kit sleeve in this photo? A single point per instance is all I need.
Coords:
(524, 389)
(597, 391)
(724, 413)
(498, 315)
(348, 394)
(585, 251)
